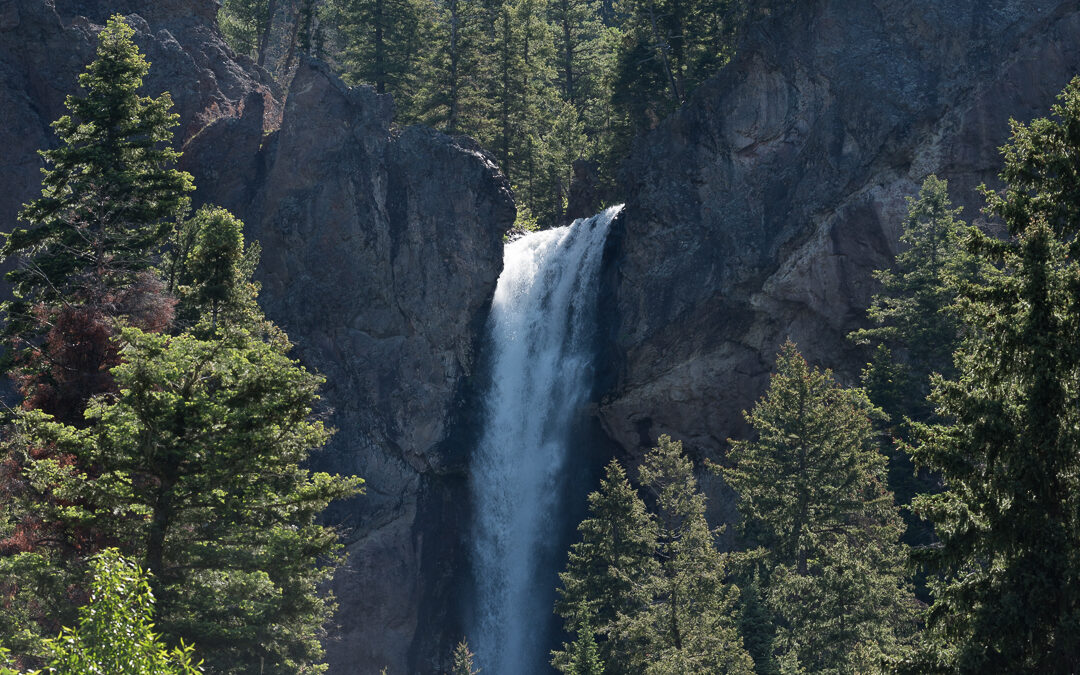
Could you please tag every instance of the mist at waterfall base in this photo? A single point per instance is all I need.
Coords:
(530, 460)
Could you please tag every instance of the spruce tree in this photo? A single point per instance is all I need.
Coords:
(109, 194)
(196, 473)
(812, 492)
(690, 624)
(462, 660)
(1007, 593)
(607, 571)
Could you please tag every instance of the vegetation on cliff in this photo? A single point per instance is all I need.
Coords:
(974, 357)
(539, 83)
(162, 415)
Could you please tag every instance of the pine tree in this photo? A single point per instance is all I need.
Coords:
(196, 473)
(379, 43)
(1008, 585)
(607, 570)
(109, 198)
(690, 624)
(189, 457)
(916, 329)
(462, 660)
(811, 490)
(584, 653)
(450, 86)
(913, 315)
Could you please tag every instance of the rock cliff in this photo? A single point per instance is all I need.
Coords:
(381, 249)
(759, 210)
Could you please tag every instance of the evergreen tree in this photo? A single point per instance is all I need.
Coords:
(1008, 589)
(462, 660)
(668, 48)
(606, 574)
(690, 624)
(812, 492)
(379, 43)
(190, 461)
(450, 87)
(916, 330)
(914, 315)
(109, 198)
(584, 654)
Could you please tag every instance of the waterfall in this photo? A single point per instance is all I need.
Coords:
(541, 331)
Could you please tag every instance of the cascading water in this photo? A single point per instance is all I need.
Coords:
(541, 331)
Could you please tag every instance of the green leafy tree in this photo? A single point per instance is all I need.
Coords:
(1008, 584)
(690, 624)
(812, 493)
(115, 631)
(607, 570)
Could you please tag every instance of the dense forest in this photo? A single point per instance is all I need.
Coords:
(539, 84)
(158, 516)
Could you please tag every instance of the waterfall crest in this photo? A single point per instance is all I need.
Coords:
(540, 331)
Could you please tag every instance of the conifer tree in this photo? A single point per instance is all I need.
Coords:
(812, 493)
(462, 660)
(1008, 585)
(914, 315)
(109, 199)
(690, 624)
(450, 87)
(606, 574)
(380, 44)
(191, 461)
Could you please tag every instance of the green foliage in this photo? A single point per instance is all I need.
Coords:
(242, 23)
(197, 473)
(654, 585)
(115, 633)
(914, 315)
(584, 654)
(1008, 577)
(607, 570)
(539, 83)
(379, 43)
(462, 660)
(186, 449)
(209, 271)
(108, 194)
(812, 492)
(689, 626)
(667, 48)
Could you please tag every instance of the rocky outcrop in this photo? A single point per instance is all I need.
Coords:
(380, 253)
(759, 210)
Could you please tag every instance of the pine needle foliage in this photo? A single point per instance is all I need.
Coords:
(1007, 594)
(812, 492)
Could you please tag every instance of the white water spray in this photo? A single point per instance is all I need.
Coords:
(541, 330)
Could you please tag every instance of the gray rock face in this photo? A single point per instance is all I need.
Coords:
(381, 253)
(759, 210)
(381, 249)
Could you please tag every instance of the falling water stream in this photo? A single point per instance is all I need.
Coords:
(541, 333)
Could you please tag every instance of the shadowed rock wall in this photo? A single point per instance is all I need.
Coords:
(759, 210)
(381, 249)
